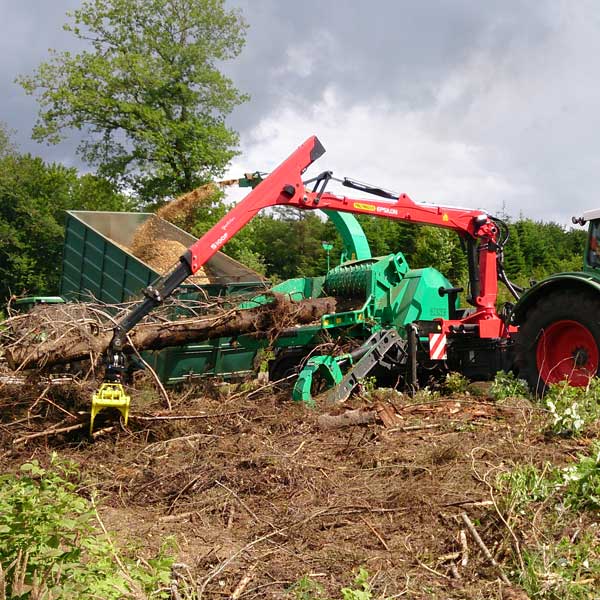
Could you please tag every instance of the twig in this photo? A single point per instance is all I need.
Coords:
(248, 510)
(422, 564)
(472, 503)
(157, 381)
(268, 584)
(183, 417)
(22, 420)
(135, 586)
(177, 517)
(462, 536)
(220, 568)
(483, 547)
(51, 431)
(377, 534)
(414, 427)
(244, 581)
(102, 431)
(296, 450)
(183, 490)
(164, 443)
(260, 389)
(63, 410)
(262, 538)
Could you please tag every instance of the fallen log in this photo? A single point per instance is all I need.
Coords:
(76, 340)
(348, 418)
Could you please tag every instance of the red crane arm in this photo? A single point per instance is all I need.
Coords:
(284, 187)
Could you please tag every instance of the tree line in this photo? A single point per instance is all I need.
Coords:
(282, 244)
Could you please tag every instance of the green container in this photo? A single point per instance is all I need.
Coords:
(97, 265)
(96, 262)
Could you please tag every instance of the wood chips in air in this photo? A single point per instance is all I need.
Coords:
(151, 242)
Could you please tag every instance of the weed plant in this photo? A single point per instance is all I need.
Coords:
(506, 385)
(565, 562)
(308, 589)
(582, 481)
(51, 547)
(573, 408)
(455, 383)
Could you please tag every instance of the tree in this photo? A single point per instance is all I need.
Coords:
(147, 94)
(33, 200)
(514, 261)
(6, 144)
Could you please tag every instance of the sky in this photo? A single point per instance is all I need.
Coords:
(492, 105)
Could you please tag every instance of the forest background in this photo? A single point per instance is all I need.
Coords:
(282, 244)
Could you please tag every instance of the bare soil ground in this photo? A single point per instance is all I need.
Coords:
(249, 484)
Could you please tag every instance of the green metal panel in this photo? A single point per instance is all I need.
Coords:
(95, 266)
(417, 298)
(96, 262)
(215, 357)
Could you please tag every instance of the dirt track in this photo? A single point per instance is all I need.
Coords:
(254, 485)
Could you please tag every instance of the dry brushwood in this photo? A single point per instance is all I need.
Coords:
(59, 334)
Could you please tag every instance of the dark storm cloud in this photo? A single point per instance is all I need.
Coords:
(392, 49)
(28, 28)
(398, 51)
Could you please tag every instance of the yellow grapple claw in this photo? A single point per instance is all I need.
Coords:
(110, 395)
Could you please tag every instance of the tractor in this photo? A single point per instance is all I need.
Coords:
(559, 321)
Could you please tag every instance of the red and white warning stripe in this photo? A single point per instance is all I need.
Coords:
(437, 346)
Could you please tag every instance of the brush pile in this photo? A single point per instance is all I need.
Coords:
(61, 333)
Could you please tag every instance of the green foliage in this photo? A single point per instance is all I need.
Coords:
(506, 385)
(573, 408)
(425, 394)
(308, 589)
(7, 147)
(455, 383)
(563, 570)
(576, 486)
(33, 198)
(525, 484)
(368, 384)
(582, 481)
(361, 589)
(148, 92)
(566, 569)
(435, 248)
(49, 540)
(537, 249)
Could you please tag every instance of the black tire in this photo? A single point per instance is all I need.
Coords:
(541, 356)
(286, 365)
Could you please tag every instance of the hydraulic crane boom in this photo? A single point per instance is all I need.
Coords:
(284, 187)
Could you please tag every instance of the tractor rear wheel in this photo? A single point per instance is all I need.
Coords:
(560, 340)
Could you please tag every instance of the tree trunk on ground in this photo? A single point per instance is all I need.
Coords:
(79, 343)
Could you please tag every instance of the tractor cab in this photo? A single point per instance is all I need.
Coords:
(592, 252)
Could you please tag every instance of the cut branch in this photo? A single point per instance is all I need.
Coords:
(74, 336)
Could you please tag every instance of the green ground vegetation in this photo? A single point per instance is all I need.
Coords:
(54, 545)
